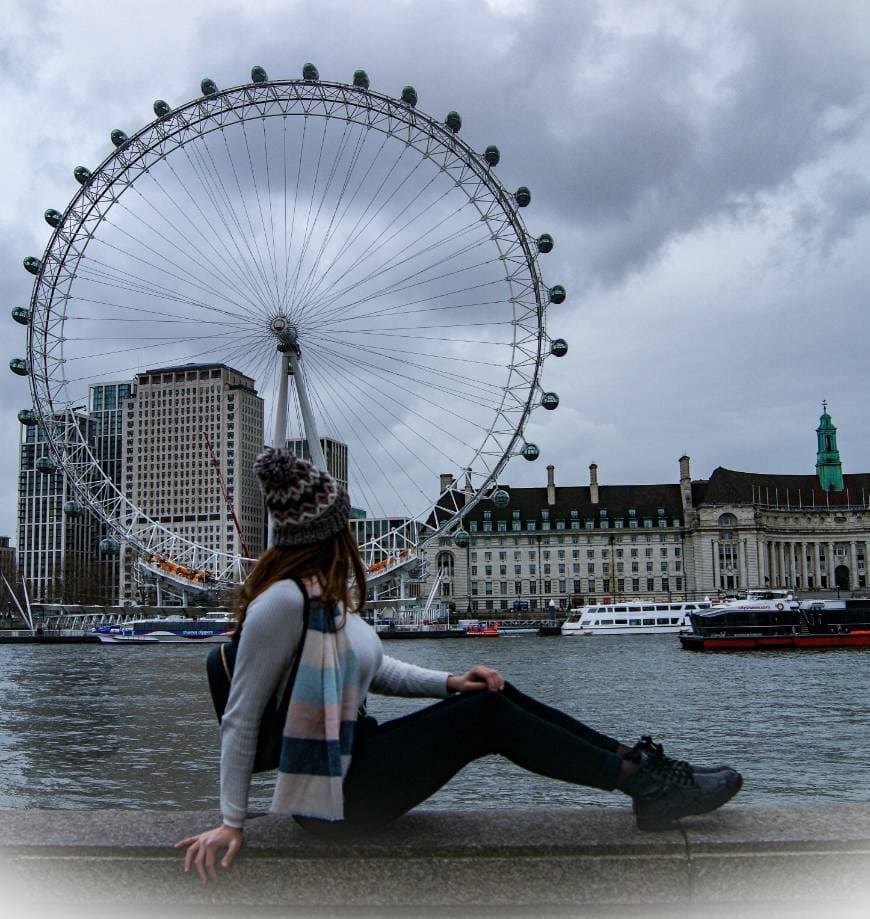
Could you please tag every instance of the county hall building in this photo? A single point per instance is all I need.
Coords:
(562, 546)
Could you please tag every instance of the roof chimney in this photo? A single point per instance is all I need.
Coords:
(685, 484)
(446, 482)
(593, 483)
(551, 485)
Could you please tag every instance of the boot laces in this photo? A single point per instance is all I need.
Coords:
(674, 770)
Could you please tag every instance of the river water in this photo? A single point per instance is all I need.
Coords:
(93, 726)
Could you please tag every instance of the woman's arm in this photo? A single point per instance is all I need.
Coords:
(396, 678)
(272, 630)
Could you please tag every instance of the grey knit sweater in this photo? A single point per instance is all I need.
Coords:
(273, 628)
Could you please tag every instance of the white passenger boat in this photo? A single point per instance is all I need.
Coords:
(631, 618)
(213, 627)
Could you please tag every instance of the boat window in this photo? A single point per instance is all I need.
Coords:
(634, 621)
(662, 621)
(620, 609)
(661, 607)
(649, 622)
(675, 621)
(596, 622)
(607, 622)
(648, 609)
(621, 621)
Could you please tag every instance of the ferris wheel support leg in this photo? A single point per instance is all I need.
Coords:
(281, 404)
(315, 451)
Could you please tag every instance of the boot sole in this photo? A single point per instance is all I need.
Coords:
(655, 824)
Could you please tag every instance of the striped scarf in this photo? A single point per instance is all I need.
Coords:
(321, 719)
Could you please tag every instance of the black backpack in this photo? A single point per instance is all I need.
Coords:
(220, 665)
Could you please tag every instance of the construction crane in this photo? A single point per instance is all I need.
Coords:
(229, 503)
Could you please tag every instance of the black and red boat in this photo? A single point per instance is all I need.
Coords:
(811, 624)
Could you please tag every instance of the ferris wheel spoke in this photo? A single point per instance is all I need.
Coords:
(136, 368)
(248, 238)
(315, 262)
(426, 387)
(159, 342)
(309, 288)
(289, 245)
(111, 276)
(388, 435)
(361, 382)
(184, 275)
(384, 236)
(347, 424)
(475, 384)
(416, 354)
(215, 262)
(222, 204)
(271, 254)
(419, 279)
(306, 233)
(363, 220)
(228, 243)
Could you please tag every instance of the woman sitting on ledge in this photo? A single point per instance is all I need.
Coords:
(342, 773)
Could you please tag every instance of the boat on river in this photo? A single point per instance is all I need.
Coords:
(211, 628)
(631, 618)
(779, 623)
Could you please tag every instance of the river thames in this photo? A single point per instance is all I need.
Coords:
(94, 726)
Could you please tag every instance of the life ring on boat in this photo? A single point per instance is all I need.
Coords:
(780, 606)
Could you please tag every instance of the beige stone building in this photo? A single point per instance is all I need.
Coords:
(190, 437)
(562, 546)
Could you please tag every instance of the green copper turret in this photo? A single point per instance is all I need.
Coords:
(828, 466)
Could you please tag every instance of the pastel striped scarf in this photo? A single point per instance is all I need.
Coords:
(321, 720)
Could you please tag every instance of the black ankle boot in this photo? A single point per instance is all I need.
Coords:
(656, 752)
(662, 793)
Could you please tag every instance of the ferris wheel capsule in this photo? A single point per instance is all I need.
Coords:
(45, 465)
(523, 196)
(161, 108)
(83, 174)
(545, 243)
(27, 417)
(33, 265)
(492, 155)
(19, 366)
(557, 294)
(530, 452)
(559, 347)
(501, 499)
(453, 121)
(208, 87)
(259, 75)
(310, 73)
(72, 509)
(361, 79)
(409, 96)
(550, 401)
(119, 138)
(109, 547)
(53, 217)
(21, 315)
(461, 538)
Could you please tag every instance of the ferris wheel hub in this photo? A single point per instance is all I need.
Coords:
(286, 333)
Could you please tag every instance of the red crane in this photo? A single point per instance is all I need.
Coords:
(230, 508)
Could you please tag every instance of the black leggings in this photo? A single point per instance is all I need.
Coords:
(399, 764)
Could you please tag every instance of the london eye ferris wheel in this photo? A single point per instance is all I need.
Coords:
(353, 256)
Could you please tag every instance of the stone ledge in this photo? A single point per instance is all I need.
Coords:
(566, 859)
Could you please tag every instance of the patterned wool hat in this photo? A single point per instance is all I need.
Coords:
(306, 505)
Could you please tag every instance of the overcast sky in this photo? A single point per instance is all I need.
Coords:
(704, 167)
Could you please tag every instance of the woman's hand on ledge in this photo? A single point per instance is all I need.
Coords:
(203, 849)
(478, 678)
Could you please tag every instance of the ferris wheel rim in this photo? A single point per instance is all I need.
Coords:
(177, 126)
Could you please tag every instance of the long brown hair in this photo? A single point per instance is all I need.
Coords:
(334, 562)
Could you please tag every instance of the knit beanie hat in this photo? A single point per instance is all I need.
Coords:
(306, 504)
